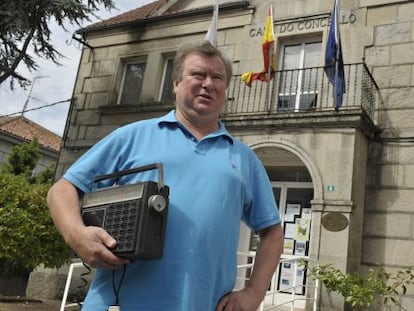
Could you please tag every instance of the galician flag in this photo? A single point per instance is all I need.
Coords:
(269, 62)
(334, 63)
(212, 30)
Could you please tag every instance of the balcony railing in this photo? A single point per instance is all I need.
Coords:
(303, 90)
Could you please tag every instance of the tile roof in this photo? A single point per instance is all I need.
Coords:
(156, 10)
(140, 13)
(25, 129)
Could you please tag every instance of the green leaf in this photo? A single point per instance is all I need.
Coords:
(27, 234)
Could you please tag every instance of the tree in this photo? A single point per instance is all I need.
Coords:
(22, 159)
(24, 27)
(29, 237)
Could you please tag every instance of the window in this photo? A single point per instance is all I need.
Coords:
(131, 85)
(298, 78)
(167, 89)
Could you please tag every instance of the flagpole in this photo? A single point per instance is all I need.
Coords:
(270, 58)
(269, 53)
(337, 34)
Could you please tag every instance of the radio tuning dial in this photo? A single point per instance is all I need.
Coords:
(157, 202)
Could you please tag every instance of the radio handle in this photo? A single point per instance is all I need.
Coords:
(139, 169)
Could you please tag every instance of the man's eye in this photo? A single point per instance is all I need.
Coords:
(199, 75)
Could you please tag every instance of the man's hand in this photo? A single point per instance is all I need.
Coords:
(247, 299)
(267, 259)
(92, 245)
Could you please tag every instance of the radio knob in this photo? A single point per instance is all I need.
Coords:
(157, 202)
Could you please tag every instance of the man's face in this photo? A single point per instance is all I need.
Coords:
(202, 88)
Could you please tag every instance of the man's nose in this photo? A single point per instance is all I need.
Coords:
(208, 82)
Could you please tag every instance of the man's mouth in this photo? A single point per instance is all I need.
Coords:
(206, 96)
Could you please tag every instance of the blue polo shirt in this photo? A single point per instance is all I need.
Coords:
(214, 184)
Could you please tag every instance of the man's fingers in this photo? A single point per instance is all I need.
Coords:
(222, 303)
(110, 260)
(106, 238)
(95, 249)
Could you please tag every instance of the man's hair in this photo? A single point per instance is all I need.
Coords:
(204, 48)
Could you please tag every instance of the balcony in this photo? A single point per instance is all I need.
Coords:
(303, 98)
(294, 99)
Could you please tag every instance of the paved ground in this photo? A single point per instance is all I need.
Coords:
(30, 306)
(55, 306)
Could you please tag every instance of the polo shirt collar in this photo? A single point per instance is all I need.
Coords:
(170, 118)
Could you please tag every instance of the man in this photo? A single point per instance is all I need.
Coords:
(215, 182)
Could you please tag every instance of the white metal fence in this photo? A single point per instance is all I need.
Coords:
(299, 294)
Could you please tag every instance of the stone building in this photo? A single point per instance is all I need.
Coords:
(346, 177)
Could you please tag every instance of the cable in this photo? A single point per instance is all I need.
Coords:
(38, 108)
(117, 289)
(82, 288)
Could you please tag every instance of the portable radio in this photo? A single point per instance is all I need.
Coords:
(133, 214)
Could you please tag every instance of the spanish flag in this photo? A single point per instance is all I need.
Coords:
(269, 61)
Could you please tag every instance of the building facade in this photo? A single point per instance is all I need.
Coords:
(343, 180)
(20, 130)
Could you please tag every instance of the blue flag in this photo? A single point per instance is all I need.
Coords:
(334, 64)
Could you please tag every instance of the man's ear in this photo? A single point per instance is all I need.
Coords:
(175, 84)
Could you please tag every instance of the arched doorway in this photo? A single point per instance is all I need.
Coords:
(293, 191)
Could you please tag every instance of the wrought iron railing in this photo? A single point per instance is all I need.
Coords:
(303, 90)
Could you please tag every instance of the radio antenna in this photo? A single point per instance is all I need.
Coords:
(139, 169)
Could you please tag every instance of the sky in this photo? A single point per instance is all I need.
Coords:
(53, 83)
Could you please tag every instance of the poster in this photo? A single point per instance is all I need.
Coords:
(290, 230)
(292, 210)
(302, 229)
(287, 278)
(300, 280)
(306, 213)
(288, 246)
(300, 248)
